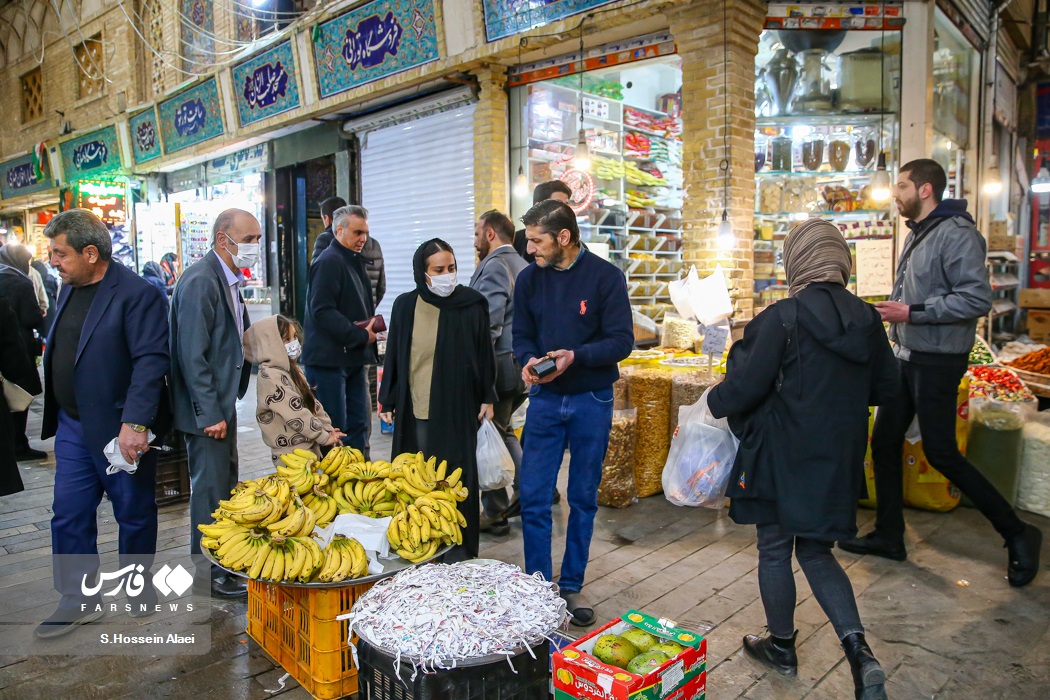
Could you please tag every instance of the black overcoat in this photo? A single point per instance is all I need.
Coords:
(797, 393)
(17, 366)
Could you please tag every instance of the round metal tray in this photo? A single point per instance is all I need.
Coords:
(391, 566)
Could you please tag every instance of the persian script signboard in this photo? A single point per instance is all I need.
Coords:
(91, 155)
(373, 41)
(508, 17)
(266, 84)
(145, 136)
(191, 117)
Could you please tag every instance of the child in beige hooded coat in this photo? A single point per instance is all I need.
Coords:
(289, 414)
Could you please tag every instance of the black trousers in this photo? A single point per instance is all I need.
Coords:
(929, 392)
(19, 421)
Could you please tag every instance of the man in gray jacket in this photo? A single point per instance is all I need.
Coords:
(498, 268)
(208, 372)
(941, 290)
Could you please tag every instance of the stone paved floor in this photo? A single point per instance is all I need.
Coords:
(936, 638)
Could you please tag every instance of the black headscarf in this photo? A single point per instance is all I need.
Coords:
(459, 296)
(16, 256)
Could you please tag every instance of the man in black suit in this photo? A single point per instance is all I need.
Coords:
(338, 352)
(104, 378)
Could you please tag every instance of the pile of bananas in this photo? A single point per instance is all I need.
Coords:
(265, 527)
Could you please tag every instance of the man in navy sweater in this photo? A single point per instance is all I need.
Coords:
(572, 307)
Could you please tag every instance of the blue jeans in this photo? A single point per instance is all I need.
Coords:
(343, 391)
(776, 583)
(582, 423)
(80, 480)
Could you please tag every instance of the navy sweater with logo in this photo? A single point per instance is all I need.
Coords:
(584, 309)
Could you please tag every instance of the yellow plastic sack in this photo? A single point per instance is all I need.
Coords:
(924, 486)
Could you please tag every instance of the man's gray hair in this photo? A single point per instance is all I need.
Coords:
(222, 222)
(340, 215)
(82, 228)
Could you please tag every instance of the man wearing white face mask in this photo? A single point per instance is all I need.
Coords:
(209, 374)
(337, 351)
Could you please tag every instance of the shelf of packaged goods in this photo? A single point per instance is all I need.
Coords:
(803, 215)
(854, 239)
(647, 132)
(576, 91)
(1002, 257)
(857, 119)
(1002, 283)
(1001, 307)
(603, 120)
(647, 159)
(827, 174)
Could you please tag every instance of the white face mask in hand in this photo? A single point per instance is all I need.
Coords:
(293, 348)
(247, 253)
(443, 285)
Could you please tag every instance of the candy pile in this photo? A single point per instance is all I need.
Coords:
(980, 354)
(999, 384)
(434, 616)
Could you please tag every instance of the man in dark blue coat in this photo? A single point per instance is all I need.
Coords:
(104, 378)
(337, 352)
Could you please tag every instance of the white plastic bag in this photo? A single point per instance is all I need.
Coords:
(701, 458)
(495, 466)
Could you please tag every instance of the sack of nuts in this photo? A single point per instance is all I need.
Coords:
(650, 392)
(617, 489)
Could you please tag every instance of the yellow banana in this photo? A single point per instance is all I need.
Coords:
(261, 555)
(210, 542)
(442, 468)
(278, 566)
(453, 478)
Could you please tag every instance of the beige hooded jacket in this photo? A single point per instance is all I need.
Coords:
(285, 422)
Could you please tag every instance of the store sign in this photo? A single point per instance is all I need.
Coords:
(266, 84)
(21, 176)
(103, 199)
(248, 160)
(145, 136)
(191, 117)
(508, 17)
(1042, 111)
(91, 155)
(374, 41)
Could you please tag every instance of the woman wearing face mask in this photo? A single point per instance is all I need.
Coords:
(289, 415)
(439, 376)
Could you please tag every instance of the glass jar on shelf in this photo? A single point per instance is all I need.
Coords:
(813, 151)
(761, 149)
(865, 142)
(838, 150)
(781, 160)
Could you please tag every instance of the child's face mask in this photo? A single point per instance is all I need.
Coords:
(293, 348)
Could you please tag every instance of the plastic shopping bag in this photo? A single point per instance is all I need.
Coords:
(701, 458)
(495, 466)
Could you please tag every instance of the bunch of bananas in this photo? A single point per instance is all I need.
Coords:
(324, 507)
(253, 506)
(298, 469)
(339, 457)
(344, 557)
(418, 530)
(368, 498)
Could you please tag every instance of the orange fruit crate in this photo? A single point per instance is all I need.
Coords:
(298, 629)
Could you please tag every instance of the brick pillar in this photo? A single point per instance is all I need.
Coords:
(490, 140)
(698, 32)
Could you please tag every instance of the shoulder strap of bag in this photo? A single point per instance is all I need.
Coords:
(788, 309)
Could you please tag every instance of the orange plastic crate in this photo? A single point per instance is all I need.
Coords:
(297, 627)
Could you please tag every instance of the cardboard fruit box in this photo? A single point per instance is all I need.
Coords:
(579, 674)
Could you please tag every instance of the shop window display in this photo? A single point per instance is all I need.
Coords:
(629, 200)
(954, 68)
(826, 105)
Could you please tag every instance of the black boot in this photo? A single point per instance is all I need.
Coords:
(876, 545)
(774, 651)
(869, 680)
(1024, 556)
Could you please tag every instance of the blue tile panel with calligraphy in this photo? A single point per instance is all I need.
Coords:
(191, 117)
(145, 136)
(19, 176)
(91, 155)
(374, 41)
(266, 84)
(508, 17)
(198, 30)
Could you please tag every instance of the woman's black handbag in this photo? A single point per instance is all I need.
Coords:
(508, 375)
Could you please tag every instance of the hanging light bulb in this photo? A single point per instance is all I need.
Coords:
(582, 161)
(1041, 182)
(880, 181)
(521, 183)
(993, 184)
(725, 232)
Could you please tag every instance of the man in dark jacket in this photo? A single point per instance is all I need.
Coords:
(104, 369)
(556, 190)
(337, 352)
(942, 288)
(572, 307)
(372, 252)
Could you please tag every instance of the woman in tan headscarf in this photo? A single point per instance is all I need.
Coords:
(797, 390)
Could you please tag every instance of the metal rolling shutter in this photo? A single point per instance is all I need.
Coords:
(417, 182)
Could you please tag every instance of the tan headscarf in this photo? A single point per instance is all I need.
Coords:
(815, 251)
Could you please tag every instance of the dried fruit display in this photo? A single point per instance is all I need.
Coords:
(650, 391)
(617, 488)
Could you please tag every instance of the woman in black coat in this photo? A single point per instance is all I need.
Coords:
(797, 391)
(17, 289)
(439, 375)
(16, 366)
